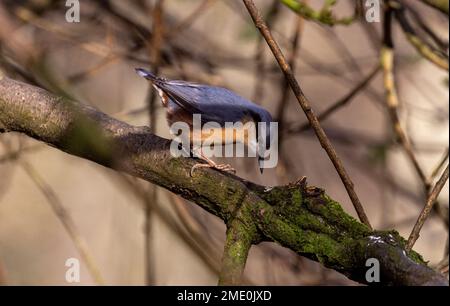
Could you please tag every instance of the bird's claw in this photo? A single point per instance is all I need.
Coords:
(221, 167)
(225, 167)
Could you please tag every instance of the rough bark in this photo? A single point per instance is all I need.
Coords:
(300, 217)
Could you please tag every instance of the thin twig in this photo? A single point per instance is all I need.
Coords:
(421, 46)
(282, 104)
(341, 102)
(392, 103)
(439, 165)
(64, 216)
(443, 45)
(142, 194)
(191, 18)
(66, 220)
(415, 233)
(91, 71)
(440, 5)
(260, 71)
(195, 232)
(304, 103)
(155, 46)
(12, 155)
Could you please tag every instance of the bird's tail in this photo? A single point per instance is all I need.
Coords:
(146, 74)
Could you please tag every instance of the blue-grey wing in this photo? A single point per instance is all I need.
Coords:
(213, 103)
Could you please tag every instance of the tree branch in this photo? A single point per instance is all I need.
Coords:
(339, 103)
(427, 209)
(306, 107)
(392, 102)
(440, 60)
(301, 218)
(240, 237)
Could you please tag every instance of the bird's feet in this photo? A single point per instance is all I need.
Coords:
(220, 167)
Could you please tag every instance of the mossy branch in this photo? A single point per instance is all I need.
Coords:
(240, 236)
(300, 217)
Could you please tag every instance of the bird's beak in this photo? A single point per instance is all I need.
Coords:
(145, 74)
(260, 163)
(141, 72)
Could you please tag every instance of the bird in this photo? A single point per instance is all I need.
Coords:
(183, 99)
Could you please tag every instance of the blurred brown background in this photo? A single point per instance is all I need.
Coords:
(211, 42)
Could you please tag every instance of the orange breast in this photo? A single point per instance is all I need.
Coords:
(223, 135)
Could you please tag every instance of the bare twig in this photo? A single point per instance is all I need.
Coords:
(284, 165)
(441, 43)
(340, 103)
(166, 218)
(421, 46)
(12, 155)
(65, 219)
(192, 17)
(260, 71)
(184, 215)
(443, 266)
(392, 103)
(304, 103)
(157, 40)
(282, 104)
(415, 233)
(440, 5)
(437, 169)
(194, 230)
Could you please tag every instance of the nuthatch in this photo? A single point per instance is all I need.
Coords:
(184, 99)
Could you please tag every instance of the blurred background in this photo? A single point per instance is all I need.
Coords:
(127, 232)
